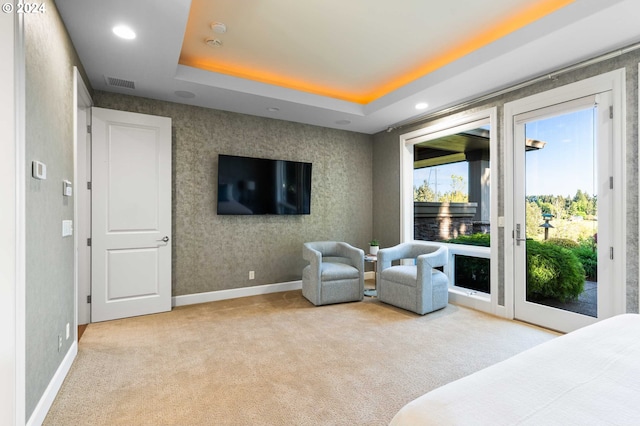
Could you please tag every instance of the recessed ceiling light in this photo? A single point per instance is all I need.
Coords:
(422, 105)
(343, 122)
(273, 109)
(124, 32)
(185, 94)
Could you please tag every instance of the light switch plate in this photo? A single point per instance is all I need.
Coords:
(67, 189)
(38, 170)
(67, 228)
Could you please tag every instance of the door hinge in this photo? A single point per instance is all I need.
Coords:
(611, 253)
(89, 128)
(89, 299)
(89, 242)
(611, 111)
(610, 182)
(89, 185)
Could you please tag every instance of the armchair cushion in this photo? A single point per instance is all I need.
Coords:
(402, 274)
(337, 271)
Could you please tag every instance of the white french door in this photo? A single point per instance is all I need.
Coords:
(131, 214)
(563, 196)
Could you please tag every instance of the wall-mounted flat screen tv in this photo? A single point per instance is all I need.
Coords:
(260, 186)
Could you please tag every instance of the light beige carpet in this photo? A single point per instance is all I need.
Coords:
(277, 360)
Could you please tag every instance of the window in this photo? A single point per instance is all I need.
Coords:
(446, 197)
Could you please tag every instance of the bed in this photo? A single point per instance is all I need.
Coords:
(588, 377)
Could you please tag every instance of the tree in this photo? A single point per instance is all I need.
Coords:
(423, 193)
(545, 207)
(534, 218)
(580, 204)
(457, 193)
(559, 209)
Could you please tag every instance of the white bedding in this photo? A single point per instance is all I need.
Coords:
(588, 377)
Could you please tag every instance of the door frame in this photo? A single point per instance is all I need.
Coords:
(614, 82)
(12, 220)
(82, 200)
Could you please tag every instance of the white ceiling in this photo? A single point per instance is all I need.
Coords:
(350, 47)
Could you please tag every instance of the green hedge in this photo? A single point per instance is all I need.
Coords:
(588, 257)
(586, 252)
(472, 240)
(563, 242)
(553, 271)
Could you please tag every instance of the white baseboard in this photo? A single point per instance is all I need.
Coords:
(213, 296)
(41, 410)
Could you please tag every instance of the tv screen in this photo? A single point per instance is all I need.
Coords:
(259, 186)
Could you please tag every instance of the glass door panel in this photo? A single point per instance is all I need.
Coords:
(561, 217)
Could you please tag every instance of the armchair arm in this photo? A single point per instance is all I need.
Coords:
(438, 256)
(428, 255)
(314, 257)
(355, 255)
(388, 255)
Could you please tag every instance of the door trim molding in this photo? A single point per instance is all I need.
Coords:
(12, 221)
(81, 98)
(613, 81)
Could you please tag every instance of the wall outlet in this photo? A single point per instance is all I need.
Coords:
(68, 331)
(252, 275)
(59, 342)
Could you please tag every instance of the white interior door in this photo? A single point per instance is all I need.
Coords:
(131, 214)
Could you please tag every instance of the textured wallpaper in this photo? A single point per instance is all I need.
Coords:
(49, 58)
(386, 158)
(212, 252)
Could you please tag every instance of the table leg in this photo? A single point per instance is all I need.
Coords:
(373, 292)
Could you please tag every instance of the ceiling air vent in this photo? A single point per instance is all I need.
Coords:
(119, 82)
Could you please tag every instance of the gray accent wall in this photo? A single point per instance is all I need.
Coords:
(386, 160)
(212, 252)
(49, 61)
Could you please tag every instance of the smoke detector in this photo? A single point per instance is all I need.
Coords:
(218, 27)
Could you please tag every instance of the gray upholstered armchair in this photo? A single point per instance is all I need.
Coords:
(335, 273)
(418, 288)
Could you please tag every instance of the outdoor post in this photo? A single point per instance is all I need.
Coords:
(546, 225)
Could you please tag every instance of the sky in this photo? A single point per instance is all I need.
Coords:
(441, 175)
(563, 166)
(566, 163)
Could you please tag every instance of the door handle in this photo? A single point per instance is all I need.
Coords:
(165, 239)
(518, 231)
